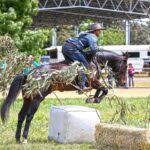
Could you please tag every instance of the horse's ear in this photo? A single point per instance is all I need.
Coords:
(125, 55)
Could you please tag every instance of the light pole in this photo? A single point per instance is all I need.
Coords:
(127, 43)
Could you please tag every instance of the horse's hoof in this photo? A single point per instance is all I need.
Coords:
(97, 100)
(90, 100)
(24, 141)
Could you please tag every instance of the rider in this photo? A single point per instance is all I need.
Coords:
(75, 48)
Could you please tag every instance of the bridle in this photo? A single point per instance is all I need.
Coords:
(120, 67)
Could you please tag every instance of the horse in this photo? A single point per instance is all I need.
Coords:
(117, 62)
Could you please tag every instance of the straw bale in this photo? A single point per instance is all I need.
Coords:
(115, 136)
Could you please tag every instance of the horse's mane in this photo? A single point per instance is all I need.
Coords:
(108, 51)
(109, 55)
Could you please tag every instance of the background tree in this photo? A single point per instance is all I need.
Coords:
(63, 33)
(15, 22)
(113, 36)
(84, 26)
(15, 19)
(140, 33)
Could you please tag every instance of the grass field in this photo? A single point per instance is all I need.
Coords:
(39, 128)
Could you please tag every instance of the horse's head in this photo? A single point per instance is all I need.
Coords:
(121, 70)
(118, 64)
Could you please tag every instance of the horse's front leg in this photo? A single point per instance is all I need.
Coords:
(101, 92)
(98, 98)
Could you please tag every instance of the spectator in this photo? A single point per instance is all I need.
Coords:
(31, 64)
(131, 75)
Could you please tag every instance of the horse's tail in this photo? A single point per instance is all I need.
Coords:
(14, 90)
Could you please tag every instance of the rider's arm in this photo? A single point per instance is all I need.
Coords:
(93, 43)
(92, 40)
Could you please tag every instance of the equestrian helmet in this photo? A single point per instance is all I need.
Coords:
(96, 26)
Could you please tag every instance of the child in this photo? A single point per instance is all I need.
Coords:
(131, 75)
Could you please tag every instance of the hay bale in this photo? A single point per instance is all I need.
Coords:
(114, 136)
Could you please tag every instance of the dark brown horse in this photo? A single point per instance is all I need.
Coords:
(118, 63)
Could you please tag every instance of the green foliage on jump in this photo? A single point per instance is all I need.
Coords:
(40, 79)
(15, 19)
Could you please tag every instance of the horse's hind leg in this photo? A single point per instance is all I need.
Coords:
(21, 117)
(32, 110)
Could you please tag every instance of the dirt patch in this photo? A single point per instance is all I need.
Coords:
(132, 92)
(142, 82)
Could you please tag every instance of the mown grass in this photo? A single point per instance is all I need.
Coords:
(39, 128)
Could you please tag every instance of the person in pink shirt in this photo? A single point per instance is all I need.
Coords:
(131, 72)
